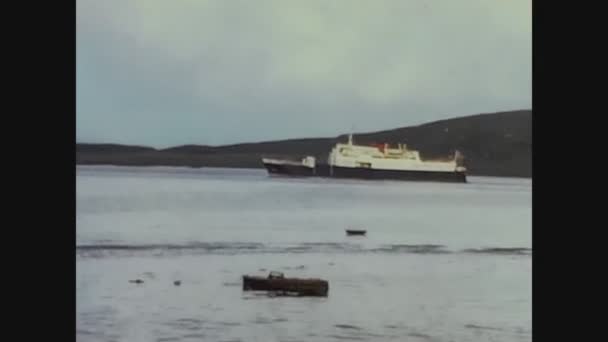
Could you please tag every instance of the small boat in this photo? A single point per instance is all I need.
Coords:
(278, 284)
(355, 232)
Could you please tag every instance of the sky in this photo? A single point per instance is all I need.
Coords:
(172, 72)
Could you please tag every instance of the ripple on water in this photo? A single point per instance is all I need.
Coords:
(481, 327)
(229, 324)
(500, 251)
(167, 339)
(196, 336)
(347, 338)
(149, 275)
(228, 284)
(186, 323)
(262, 320)
(85, 332)
(522, 331)
(419, 335)
(347, 326)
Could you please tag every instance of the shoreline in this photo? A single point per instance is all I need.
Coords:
(261, 168)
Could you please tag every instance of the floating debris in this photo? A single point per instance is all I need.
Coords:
(136, 281)
(177, 282)
(281, 286)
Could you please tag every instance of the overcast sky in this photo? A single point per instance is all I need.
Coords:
(172, 72)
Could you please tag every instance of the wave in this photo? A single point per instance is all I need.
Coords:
(210, 246)
(237, 248)
(414, 249)
(481, 327)
(495, 250)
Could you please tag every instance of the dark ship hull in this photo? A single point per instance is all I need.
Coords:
(324, 170)
(289, 170)
(406, 175)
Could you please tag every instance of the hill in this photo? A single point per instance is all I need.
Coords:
(494, 144)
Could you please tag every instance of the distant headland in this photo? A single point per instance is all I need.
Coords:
(494, 144)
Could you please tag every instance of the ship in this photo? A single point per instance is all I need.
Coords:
(374, 162)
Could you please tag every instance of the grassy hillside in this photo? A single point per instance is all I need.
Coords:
(496, 144)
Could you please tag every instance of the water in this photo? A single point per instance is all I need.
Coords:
(441, 262)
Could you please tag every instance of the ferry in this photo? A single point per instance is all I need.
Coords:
(376, 162)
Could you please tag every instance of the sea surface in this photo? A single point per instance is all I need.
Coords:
(440, 262)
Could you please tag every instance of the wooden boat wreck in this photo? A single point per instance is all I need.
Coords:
(278, 284)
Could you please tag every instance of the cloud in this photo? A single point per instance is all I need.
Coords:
(170, 72)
